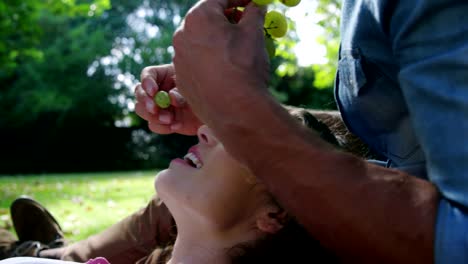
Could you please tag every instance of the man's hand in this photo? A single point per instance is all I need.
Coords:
(221, 66)
(178, 118)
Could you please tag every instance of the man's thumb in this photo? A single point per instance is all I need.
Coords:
(176, 98)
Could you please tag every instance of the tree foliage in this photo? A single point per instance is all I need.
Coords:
(59, 109)
(20, 31)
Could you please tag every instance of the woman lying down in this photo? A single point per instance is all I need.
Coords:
(221, 214)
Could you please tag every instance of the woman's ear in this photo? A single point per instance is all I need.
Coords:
(271, 220)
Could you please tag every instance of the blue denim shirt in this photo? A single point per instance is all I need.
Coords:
(402, 86)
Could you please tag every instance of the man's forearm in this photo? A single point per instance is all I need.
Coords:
(361, 211)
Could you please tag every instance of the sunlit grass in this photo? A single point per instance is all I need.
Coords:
(83, 204)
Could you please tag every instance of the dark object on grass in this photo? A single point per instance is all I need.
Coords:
(33, 222)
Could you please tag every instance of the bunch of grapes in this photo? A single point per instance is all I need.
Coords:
(275, 26)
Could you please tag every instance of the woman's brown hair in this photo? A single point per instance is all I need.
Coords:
(291, 244)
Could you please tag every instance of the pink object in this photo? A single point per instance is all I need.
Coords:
(98, 260)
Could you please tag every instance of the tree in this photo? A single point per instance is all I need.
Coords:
(329, 11)
(59, 110)
(20, 32)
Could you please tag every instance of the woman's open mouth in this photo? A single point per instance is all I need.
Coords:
(192, 158)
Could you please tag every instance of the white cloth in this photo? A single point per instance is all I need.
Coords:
(29, 260)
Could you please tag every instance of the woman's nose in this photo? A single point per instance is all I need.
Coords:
(205, 135)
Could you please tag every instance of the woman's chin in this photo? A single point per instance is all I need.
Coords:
(159, 180)
(169, 181)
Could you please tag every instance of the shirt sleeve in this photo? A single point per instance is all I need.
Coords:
(430, 40)
(129, 240)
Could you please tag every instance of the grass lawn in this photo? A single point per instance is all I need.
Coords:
(83, 204)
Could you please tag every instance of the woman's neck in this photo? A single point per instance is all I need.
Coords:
(199, 241)
(197, 251)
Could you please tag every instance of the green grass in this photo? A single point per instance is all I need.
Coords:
(83, 204)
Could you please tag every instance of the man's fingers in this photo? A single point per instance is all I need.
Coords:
(177, 99)
(176, 126)
(154, 121)
(254, 16)
(149, 86)
(223, 4)
(140, 94)
(160, 129)
(148, 78)
(179, 122)
(156, 78)
(144, 101)
(165, 117)
(141, 111)
(234, 3)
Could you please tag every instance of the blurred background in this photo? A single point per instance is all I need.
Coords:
(67, 71)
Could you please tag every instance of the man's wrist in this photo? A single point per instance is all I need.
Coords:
(262, 124)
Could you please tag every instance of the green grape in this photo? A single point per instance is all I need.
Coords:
(270, 47)
(262, 2)
(162, 99)
(290, 3)
(275, 24)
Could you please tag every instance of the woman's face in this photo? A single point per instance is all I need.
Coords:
(208, 183)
